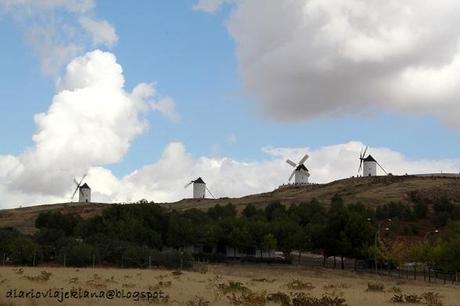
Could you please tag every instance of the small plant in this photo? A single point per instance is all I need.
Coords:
(406, 298)
(375, 287)
(111, 280)
(395, 289)
(279, 297)
(299, 285)
(177, 273)
(248, 299)
(198, 301)
(129, 285)
(302, 299)
(18, 271)
(44, 276)
(232, 287)
(160, 285)
(73, 280)
(432, 298)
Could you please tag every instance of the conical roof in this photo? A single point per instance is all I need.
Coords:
(84, 186)
(301, 167)
(199, 181)
(369, 159)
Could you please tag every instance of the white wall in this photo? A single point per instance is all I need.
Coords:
(84, 195)
(369, 168)
(199, 191)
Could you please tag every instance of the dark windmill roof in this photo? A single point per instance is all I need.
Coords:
(301, 167)
(84, 186)
(369, 159)
(199, 181)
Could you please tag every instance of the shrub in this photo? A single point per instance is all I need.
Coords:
(376, 287)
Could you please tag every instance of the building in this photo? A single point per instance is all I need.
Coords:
(84, 195)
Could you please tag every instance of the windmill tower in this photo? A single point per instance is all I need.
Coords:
(368, 164)
(84, 191)
(300, 172)
(199, 188)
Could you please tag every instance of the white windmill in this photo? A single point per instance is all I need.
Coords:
(199, 189)
(84, 191)
(368, 164)
(300, 172)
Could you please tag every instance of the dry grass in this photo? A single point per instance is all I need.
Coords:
(229, 285)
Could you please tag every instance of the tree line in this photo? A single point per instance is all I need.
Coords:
(138, 234)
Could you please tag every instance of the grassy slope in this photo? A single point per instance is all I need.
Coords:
(370, 191)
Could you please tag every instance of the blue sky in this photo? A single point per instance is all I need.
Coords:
(191, 57)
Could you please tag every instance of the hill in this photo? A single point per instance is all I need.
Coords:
(371, 191)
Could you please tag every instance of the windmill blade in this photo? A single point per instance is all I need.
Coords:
(290, 162)
(188, 184)
(75, 181)
(81, 181)
(210, 193)
(293, 172)
(365, 151)
(381, 167)
(360, 165)
(361, 153)
(303, 159)
(73, 195)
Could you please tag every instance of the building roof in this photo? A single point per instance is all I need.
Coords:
(84, 186)
(301, 167)
(199, 181)
(369, 159)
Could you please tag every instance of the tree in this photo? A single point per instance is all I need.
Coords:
(23, 250)
(269, 243)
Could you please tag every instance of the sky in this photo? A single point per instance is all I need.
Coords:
(145, 97)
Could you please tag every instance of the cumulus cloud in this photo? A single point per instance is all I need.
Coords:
(59, 30)
(91, 121)
(301, 59)
(164, 179)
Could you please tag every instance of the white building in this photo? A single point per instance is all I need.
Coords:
(369, 166)
(84, 195)
(301, 175)
(199, 189)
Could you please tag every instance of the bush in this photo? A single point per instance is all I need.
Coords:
(22, 250)
(79, 254)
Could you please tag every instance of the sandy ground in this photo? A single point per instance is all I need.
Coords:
(213, 285)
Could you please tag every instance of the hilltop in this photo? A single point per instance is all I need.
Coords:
(371, 191)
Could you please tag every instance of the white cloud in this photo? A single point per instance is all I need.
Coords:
(227, 177)
(91, 121)
(102, 31)
(307, 58)
(210, 6)
(163, 180)
(59, 30)
(167, 107)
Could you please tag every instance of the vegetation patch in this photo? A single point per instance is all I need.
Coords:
(375, 287)
(299, 285)
(248, 298)
(232, 287)
(279, 297)
(302, 299)
(198, 301)
(432, 298)
(44, 276)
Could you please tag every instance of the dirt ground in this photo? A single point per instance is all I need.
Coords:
(212, 285)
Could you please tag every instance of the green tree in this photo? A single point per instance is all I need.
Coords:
(269, 243)
(23, 250)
